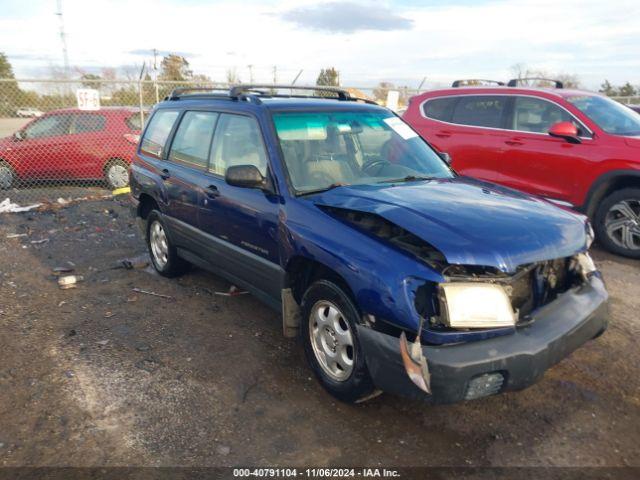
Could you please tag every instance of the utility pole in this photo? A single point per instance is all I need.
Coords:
(63, 38)
(250, 67)
(275, 75)
(155, 73)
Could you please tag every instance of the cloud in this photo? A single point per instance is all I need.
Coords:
(346, 18)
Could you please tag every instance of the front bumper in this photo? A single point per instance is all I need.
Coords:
(522, 358)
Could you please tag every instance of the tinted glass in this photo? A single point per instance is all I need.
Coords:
(480, 111)
(237, 142)
(51, 126)
(439, 108)
(536, 115)
(88, 122)
(609, 115)
(322, 149)
(192, 140)
(155, 137)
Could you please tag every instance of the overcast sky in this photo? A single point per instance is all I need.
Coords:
(400, 41)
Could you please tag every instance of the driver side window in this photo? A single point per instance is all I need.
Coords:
(537, 116)
(50, 126)
(237, 141)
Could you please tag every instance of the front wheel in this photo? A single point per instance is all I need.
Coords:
(617, 222)
(7, 176)
(331, 342)
(116, 174)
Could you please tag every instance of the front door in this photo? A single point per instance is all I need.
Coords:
(44, 149)
(536, 162)
(245, 220)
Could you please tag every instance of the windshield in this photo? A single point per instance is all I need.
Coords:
(609, 115)
(327, 149)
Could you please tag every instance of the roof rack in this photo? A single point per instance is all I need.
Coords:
(257, 91)
(176, 93)
(474, 81)
(515, 81)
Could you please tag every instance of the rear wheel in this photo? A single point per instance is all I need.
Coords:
(116, 173)
(617, 222)
(331, 342)
(164, 255)
(7, 176)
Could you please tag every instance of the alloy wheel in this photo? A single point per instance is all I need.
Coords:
(159, 244)
(331, 340)
(622, 224)
(118, 175)
(6, 176)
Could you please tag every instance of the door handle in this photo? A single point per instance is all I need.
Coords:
(212, 191)
(164, 174)
(514, 142)
(443, 134)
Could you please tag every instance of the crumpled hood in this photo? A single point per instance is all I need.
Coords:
(469, 221)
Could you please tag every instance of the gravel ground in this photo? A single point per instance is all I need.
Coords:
(101, 375)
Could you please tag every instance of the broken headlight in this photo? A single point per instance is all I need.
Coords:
(476, 305)
(585, 265)
(590, 234)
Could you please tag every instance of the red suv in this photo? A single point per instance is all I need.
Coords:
(578, 149)
(72, 144)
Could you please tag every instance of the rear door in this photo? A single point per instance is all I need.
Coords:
(475, 135)
(87, 135)
(185, 172)
(536, 162)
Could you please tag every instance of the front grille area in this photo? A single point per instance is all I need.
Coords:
(539, 284)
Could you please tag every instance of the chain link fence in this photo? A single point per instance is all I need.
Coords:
(66, 139)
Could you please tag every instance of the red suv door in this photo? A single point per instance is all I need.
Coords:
(534, 161)
(469, 128)
(42, 147)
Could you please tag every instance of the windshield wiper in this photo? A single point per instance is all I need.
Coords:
(323, 189)
(408, 178)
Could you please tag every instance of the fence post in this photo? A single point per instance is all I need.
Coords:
(141, 104)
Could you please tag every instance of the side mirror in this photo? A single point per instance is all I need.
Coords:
(566, 130)
(245, 176)
(446, 157)
(19, 135)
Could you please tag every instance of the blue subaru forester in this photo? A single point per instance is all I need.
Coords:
(398, 274)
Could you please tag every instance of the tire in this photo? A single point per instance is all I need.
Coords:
(617, 222)
(324, 300)
(164, 256)
(116, 174)
(7, 176)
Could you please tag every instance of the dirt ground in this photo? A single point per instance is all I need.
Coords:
(101, 375)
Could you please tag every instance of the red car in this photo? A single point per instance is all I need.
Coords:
(72, 144)
(578, 149)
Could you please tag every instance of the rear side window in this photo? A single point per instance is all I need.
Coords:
(536, 115)
(480, 111)
(238, 142)
(88, 122)
(439, 108)
(192, 140)
(155, 137)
